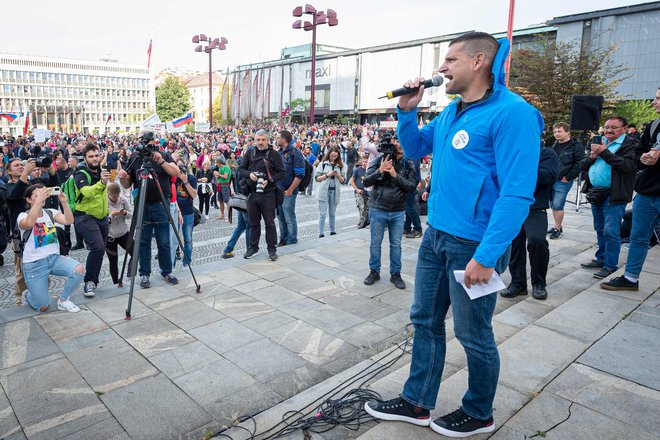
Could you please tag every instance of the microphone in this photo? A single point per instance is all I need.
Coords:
(433, 82)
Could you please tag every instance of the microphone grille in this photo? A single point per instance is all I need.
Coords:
(437, 80)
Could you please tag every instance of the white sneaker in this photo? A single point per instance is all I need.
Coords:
(67, 306)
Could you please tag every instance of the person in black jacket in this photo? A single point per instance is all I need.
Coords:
(533, 233)
(262, 168)
(570, 153)
(609, 186)
(391, 179)
(646, 208)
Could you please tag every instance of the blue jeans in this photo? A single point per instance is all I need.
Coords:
(286, 214)
(187, 229)
(394, 222)
(440, 254)
(607, 223)
(243, 225)
(155, 221)
(412, 213)
(645, 216)
(36, 278)
(559, 193)
(331, 208)
(174, 243)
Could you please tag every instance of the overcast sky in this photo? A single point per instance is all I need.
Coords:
(257, 30)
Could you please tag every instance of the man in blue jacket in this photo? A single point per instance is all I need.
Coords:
(294, 172)
(485, 160)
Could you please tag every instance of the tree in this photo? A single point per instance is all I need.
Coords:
(217, 107)
(172, 99)
(549, 74)
(636, 111)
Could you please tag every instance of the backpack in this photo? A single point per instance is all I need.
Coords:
(72, 193)
(309, 171)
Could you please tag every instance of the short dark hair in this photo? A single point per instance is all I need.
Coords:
(30, 189)
(286, 134)
(618, 118)
(561, 124)
(476, 42)
(90, 147)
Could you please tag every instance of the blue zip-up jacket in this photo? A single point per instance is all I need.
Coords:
(294, 166)
(485, 162)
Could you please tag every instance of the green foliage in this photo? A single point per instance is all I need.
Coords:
(217, 108)
(636, 111)
(172, 99)
(551, 73)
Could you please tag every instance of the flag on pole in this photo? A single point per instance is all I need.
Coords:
(149, 52)
(286, 111)
(11, 117)
(108, 119)
(183, 120)
(26, 126)
(224, 100)
(266, 110)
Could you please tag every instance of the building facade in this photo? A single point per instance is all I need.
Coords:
(74, 96)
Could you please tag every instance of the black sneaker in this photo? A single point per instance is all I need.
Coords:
(459, 424)
(550, 231)
(398, 410)
(620, 283)
(539, 292)
(77, 247)
(395, 279)
(593, 264)
(250, 253)
(604, 273)
(556, 233)
(272, 256)
(321, 235)
(281, 243)
(144, 282)
(227, 254)
(372, 278)
(513, 291)
(333, 233)
(170, 279)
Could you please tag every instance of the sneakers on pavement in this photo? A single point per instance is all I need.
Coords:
(88, 289)
(372, 278)
(395, 279)
(250, 253)
(398, 410)
(556, 233)
(281, 243)
(459, 424)
(228, 254)
(513, 291)
(620, 283)
(171, 279)
(604, 273)
(272, 256)
(67, 306)
(593, 264)
(144, 282)
(414, 234)
(539, 292)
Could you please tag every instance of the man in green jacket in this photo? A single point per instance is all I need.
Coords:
(91, 215)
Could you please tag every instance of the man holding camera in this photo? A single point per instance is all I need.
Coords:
(262, 167)
(391, 177)
(91, 215)
(155, 217)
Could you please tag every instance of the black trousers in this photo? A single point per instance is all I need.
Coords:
(262, 205)
(204, 202)
(111, 250)
(532, 233)
(95, 234)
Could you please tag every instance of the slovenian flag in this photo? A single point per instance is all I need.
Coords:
(151, 41)
(286, 111)
(11, 117)
(183, 120)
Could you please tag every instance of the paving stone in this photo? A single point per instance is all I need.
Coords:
(293, 382)
(329, 319)
(113, 310)
(247, 401)
(320, 271)
(506, 433)
(609, 395)
(265, 322)
(269, 271)
(648, 313)
(630, 351)
(213, 381)
(188, 313)
(569, 286)
(184, 359)
(345, 362)
(238, 306)
(63, 325)
(522, 313)
(400, 299)
(225, 335)
(188, 284)
(309, 342)
(253, 285)
(366, 334)
(234, 276)
(209, 290)
(648, 283)
(306, 285)
(588, 316)
(252, 358)
(107, 362)
(300, 306)
(152, 334)
(9, 426)
(157, 294)
(533, 356)
(355, 283)
(397, 321)
(275, 296)
(23, 341)
(167, 411)
(29, 380)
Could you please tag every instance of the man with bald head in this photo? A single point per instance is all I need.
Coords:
(485, 158)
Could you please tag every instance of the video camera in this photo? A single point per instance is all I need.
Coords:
(40, 161)
(146, 147)
(386, 146)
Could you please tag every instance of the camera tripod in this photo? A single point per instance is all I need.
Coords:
(145, 173)
(578, 193)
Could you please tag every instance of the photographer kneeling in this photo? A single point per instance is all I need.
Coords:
(391, 177)
(41, 250)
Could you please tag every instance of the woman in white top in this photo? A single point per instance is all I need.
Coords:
(41, 252)
(330, 173)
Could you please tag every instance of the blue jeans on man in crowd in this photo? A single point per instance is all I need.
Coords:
(187, 230)
(155, 223)
(646, 210)
(243, 225)
(174, 243)
(36, 278)
(330, 207)
(607, 223)
(286, 214)
(559, 193)
(394, 222)
(436, 289)
(412, 213)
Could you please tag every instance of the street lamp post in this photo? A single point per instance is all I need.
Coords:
(217, 43)
(318, 17)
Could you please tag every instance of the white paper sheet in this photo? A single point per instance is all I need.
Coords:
(494, 284)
